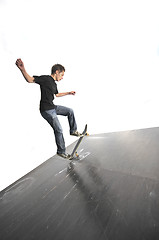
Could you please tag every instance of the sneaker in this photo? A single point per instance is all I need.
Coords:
(64, 155)
(76, 133)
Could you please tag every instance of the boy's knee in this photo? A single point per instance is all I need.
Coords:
(56, 125)
(71, 112)
(58, 130)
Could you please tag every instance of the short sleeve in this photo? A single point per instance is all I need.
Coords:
(56, 91)
(38, 79)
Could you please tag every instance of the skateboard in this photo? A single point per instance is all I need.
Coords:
(74, 152)
(74, 155)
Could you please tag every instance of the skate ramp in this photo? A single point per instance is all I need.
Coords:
(112, 193)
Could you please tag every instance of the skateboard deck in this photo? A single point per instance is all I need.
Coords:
(74, 152)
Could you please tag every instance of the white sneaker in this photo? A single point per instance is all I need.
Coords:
(76, 133)
(64, 155)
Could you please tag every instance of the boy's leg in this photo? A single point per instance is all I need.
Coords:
(51, 117)
(65, 111)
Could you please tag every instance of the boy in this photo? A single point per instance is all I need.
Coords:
(48, 110)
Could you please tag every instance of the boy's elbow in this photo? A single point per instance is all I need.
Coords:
(30, 80)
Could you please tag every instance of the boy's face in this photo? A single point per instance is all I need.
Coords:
(59, 75)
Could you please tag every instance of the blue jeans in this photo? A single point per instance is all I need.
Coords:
(51, 117)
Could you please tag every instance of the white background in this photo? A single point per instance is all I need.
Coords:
(110, 50)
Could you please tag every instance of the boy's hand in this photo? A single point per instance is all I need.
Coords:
(20, 64)
(72, 93)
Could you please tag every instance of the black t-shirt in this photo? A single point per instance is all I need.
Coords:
(48, 89)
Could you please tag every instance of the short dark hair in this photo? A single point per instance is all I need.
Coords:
(58, 67)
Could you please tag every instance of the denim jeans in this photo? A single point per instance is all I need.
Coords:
(51, 117)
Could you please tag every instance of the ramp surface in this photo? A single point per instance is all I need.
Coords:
(111, 194)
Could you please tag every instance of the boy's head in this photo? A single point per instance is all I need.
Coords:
(57, 72)
(57, 67)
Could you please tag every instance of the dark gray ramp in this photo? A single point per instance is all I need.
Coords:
(111, 194)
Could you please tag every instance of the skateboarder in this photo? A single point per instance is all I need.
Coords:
(48, 110)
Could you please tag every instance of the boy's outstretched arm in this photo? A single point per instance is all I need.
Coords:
(20, 65)
(65, 93)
